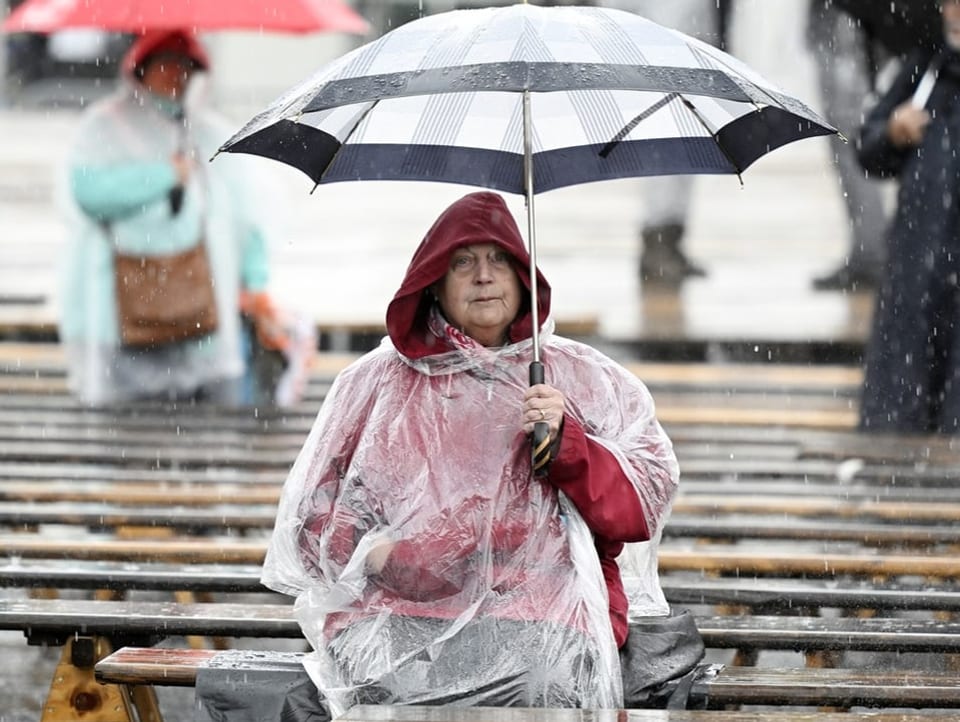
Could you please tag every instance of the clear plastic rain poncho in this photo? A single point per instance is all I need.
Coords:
(429, 565)
(115, 194)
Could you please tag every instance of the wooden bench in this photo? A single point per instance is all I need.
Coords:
(94, 627)
(805, 506)
(798, 396)
(411, 713)
(714, 560)
(56, 620)
(731, 686)
(46, 360)
(244, 511)
(769, 595)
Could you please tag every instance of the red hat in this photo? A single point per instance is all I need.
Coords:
(154, 42)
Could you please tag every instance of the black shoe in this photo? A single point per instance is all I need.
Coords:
(847, 279)
(662, 261)
(668, 269)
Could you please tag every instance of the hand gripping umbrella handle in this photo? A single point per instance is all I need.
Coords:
(541, 430)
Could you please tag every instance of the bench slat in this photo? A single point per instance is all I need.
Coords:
(733, 685)
(772, 594)
(243, 513)
(833, 687)
(743, 562)
(133, 618)
(412, 713)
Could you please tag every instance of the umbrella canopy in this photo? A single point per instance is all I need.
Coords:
(611, 94)
(135, 16)
(899, 25)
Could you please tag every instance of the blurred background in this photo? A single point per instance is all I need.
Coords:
(762, 242)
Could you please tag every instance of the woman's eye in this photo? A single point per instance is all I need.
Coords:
(462, 262)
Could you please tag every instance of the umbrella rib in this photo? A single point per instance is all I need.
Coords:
(346, 137)
(696, 114)
(628, 128)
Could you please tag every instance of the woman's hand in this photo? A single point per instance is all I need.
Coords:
(183, 167)
(907, 125)
(543, 403)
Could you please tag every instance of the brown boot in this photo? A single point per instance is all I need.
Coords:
(662, 261)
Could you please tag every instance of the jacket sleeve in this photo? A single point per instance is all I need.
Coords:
(255, 265)
(615, 462)
(877, 154)
(107, 193)
(595, 483)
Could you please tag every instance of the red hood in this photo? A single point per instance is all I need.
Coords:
(481, 217)
(155, 41)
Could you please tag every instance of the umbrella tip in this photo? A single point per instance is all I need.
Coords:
(214, 156)
(842, 137)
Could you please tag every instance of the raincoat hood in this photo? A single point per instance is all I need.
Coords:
(152, 42)
(481, 217)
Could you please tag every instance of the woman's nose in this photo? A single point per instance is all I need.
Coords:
(484, 272)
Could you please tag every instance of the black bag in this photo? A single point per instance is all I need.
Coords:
(660, 661)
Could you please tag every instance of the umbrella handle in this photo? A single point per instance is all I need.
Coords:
(541, 430)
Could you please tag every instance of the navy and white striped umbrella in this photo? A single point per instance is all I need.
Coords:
(611, 95)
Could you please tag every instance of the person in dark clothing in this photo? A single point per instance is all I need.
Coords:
(912, 381)
(844, 62)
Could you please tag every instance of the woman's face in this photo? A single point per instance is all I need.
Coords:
(950, 10)
(480, 293)
(167, 75)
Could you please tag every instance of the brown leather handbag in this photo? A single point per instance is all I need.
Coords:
(164, 299)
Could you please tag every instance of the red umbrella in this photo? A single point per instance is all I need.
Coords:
(136, 16)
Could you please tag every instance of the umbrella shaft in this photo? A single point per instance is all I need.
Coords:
(531, 229)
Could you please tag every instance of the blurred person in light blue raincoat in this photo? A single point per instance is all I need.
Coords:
(138, 181)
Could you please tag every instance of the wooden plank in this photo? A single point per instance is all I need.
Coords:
(16, 475)
(63, 618)
(816, 507)
(121, 576)
(800, 633)
(855, 491)
(31, 357)
(127, 619)
(746, 562)
(733, 685)
(155, 666)
(42, 435)
(234, 514)
(169, 494)
(411, 713)
(785, 595)
(188, 551)
(742, 561)
(814, 469)
(240, 514)
(144, 456)
(771, 594)
(833, 687)
(744, 528)
(182, 421)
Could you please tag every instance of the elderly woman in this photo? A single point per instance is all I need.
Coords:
(430, 565)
